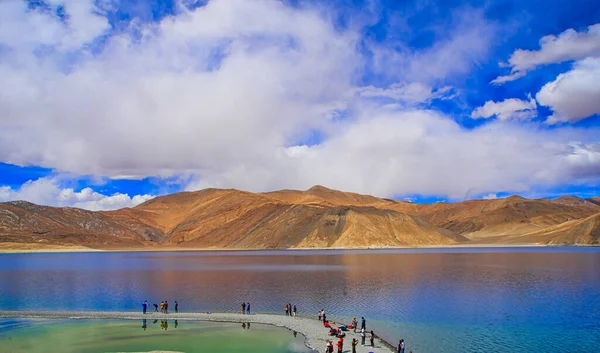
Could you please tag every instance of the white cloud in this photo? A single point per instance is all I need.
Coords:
(511, 108)
(569, 45)
(222, 92)
(490, 196)
(47, 191)
(574, 95)
(411, 93)
(423, 152)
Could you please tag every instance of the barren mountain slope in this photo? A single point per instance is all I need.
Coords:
(513, 215)
(24, 222)
(581, 232)
(232, 218)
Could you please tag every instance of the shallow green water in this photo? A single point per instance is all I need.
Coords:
(91, 336)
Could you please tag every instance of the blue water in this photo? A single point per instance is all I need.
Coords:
(439, 300)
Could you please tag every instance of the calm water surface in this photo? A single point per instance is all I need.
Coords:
(439, 300)
(95, 336)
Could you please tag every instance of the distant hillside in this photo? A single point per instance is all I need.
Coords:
(315, 218)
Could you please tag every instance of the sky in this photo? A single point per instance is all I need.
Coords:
(107, 103)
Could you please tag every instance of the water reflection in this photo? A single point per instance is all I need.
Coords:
(144, 325)
(432, 297)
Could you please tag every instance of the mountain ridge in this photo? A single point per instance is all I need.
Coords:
(318, 217)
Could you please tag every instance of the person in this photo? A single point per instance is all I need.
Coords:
(144, 306)
(354, 323)
(166, 307)
(319, 315)
(363, 336)
(155, 307)
(244, 308)
(324, 316)
(176, 306)
(248, 308)
(287, 310)
(294, 311)
(401, 346)
(329, 347)
(340, 345)
(363, 323)
(162, 307)
(372, 339)
(354, 344)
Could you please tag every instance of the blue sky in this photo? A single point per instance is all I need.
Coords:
(108, 103)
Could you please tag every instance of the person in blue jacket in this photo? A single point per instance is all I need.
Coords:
(248, 308)
(144, 306)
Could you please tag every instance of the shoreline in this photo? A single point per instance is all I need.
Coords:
(59, 249)
(315, 335)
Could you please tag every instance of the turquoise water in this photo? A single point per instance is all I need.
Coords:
(96, 336)
(450, 300)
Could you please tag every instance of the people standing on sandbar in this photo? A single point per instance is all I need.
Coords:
(166, 307)
(363, 336)
(329, 347)
(324, 316)
(287, 310)
(401, 346)
(319, 314)
(354, 323)
(354, 344)
(176, 307)
(155, 307)
(244, 308)
(294, 311)
(340, 345)
(248, 308)
(162, 307)
(363, 323)
(372, 339)
(144, 306)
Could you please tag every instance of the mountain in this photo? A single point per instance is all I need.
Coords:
(27, 223)
(581, 231)
(513, 215)
(315, 218)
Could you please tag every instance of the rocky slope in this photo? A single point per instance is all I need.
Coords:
(317, 217)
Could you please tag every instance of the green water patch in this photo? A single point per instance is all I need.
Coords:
(92, 336)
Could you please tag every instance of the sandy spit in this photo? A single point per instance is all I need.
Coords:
(315, 334)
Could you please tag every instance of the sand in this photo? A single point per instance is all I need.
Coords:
(315, 334)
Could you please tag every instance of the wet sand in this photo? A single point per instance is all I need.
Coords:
(315, 334)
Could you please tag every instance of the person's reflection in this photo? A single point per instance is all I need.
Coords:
(243, 325)
(144, 326)
(295, 333)
(176, 323)
(155, 321)
(248, 326)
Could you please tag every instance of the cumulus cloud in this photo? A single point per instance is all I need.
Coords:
(569, 45)
(47, 191)
(490, 196)
(574, 95)
(511, 108)
(222, 92)
(406, 152)
(411, 93)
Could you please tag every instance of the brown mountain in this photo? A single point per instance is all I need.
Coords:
(317, 217)
(513, 215)
(581, 232)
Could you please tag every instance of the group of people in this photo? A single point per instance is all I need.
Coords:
(339, 332)
(290, 310)
(164, 307)
(246, 308)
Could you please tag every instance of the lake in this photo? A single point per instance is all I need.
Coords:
(91, 336)
(452, 300)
